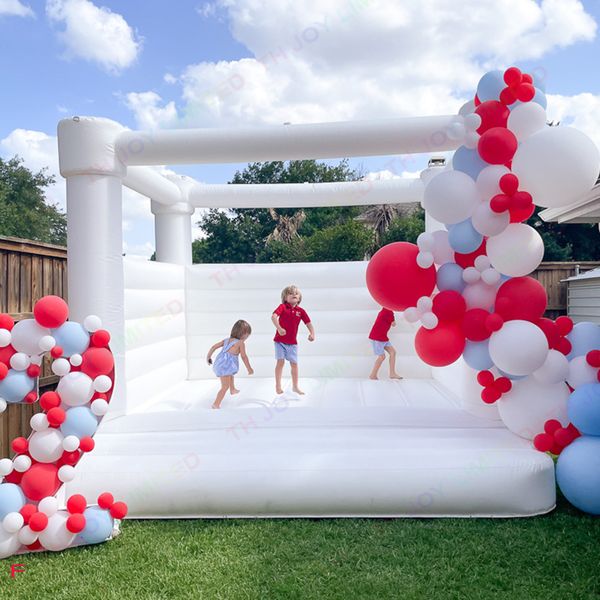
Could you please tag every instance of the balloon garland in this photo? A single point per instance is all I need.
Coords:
(469, 284)
(30, 517)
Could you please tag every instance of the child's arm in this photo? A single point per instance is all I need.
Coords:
(311, 332)
(211, 351)
(275, 319)
(245, 359)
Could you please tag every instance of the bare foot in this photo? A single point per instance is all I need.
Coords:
(395, 376)
(215, 405)
(234, 391)
(279, 391)
(298, 391)
(374, 377)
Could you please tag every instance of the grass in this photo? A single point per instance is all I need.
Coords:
(553, 556)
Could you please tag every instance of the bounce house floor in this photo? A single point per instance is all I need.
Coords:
(349, 447)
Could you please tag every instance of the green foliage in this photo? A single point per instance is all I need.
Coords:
(405, 229)
(23, 210)
(347, 241)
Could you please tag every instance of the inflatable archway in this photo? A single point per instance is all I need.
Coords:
(484, 372)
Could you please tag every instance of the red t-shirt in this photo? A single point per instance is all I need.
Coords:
(289, 319)
(382, 325)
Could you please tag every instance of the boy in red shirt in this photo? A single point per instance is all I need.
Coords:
(286, 318)
(381, 343)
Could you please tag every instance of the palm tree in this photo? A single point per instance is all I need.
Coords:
(286, 226)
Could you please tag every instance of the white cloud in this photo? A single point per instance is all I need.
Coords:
(148, 112)
(581, 111)
(323, 60)
(95, 34)
(15, 8)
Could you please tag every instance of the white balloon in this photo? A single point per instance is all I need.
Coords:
(22, 463)
(429, 320)
(489, 223)
(3, 405)
(450, 197)
(27, 536)
(19, 361)
(48, 505)
(71, 443)
(100, 406)
(424, 304)
(75, 389)
(471, 275)
(411, 314)
(92, 323)
(5, 338)
(426, 241)
(471, 139)
(472, 121)
(519, 347)
(9, 543)
(424, 259)
(12, 522)
(61, 367)
(46, 446)
(487, 181)
(6, 466)
(26, 336)
(530, 403)
(47, 343)
(526, 119)
(455, 131)
(490, 276)
(39, 422)
(580, 372)
(555, 368)
(480, 295)
(467, 108)
(517, 251)
(482, 262)
(66, 473)
(102, 383)
(557, 166)
(442, 250)
(56, 536)
(76, 360)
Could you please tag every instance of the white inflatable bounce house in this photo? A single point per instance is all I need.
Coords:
(424, 446)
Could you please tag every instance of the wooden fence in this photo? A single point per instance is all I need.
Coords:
(28, 271)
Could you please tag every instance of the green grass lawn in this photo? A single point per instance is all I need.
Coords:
(554, 556)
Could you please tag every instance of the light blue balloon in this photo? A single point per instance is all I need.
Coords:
(578, 473)
(539, 81)
(477, 355)
(468, 161)
(490, 86)
(79, 421)
(511, 376)
(12, 499)
(464, 238)
(584, 337)
(584, 408)
(72, 338)
(16, 385)
(450, 277)
(98, 525)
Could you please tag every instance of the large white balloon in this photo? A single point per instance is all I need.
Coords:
(519, 347)
(56, 536)
(487, 222)
(450, 197)
(9, 543)
(530, 403)
(75, 389)
(26, 336)
(487, 181)
(526, 119)
(46, 446)
(555, 368)
(580, 372)
(557, 166)
(517, 251)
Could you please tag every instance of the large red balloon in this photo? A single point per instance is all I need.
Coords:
(395, 280)
(521, 298)
(97, 361)
(497, 145)
(493, 114)
(441, 346)
(51, 311)
(39, 481)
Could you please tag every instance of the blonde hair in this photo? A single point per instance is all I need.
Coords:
(240, 329)
(291, 289)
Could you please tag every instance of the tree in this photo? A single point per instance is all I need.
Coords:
(405, 229)
(24, 212)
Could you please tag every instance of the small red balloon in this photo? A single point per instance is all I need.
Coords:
(521, 200)
(548, 326)
(563, 436)
(543, 442)
(37, 545)
(500, 203)
(440, 346)
(564, 324)
(493, 114)
(497, 145)
(508, 96)
(51, 311)
(76, 503)
(474, 325)
(30, 398)
(38, 521)
(593, 358)
(509, 183)
(449, 305)
(105, 500)
(552, 425)
(100, 338)
(518, 215)
(20, 445)
(485, 378)
(564, 346)
(525, 92)
(6, 321)
(527, 78)
(5, 354)
(70, 458)
(56, 416)
(56, 352)
(490, 395)
(513, 76)
(476, 100)
(86, 444)
(494, 322)
(76, 523)
(26, 511)
(97, 361)
(33, 371)
(118, 510)
(503, 385)
(3, 371)
(394, 278)
(49, 400)
(468, 260)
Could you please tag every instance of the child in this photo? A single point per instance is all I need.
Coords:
(381, 343)
(286, 318)
(227, 361)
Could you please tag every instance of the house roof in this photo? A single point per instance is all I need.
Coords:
(586, 210)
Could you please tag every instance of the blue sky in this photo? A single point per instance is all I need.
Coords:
(167, 62)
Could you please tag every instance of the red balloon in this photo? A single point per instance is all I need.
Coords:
(518, 215)
(551, 425)
(70, 458)
(49, 400)
(476, 100)
(527, 78)
(105, 500)
(40, 480)
(593, 358)
(521, 298)
(6, 321)
(3, 371)
(76, 523)
(33, 371)
(493, 114)
(521, 200)
(100, 338)
(490, 395)
(38, 521)
(76, 503)
(56, 352)
(56, 416)
(51, 311)
(5, 353)
(86, 444)
(97, 361)
(26, 511)
(441, 346)
(497, 145)
(118, 510)
(509, 183)
(513, 76)
(468, 260)
(548, 326)
(485, 378)
(20, 445)
(449, 305)
(564, 324)
(508, 96)
(474, 325)
(564, 436)
(564, 346)
(543, 442)
(503, 384)
(500, 203)
(494, 322)
(525, 92)
(395, 280)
